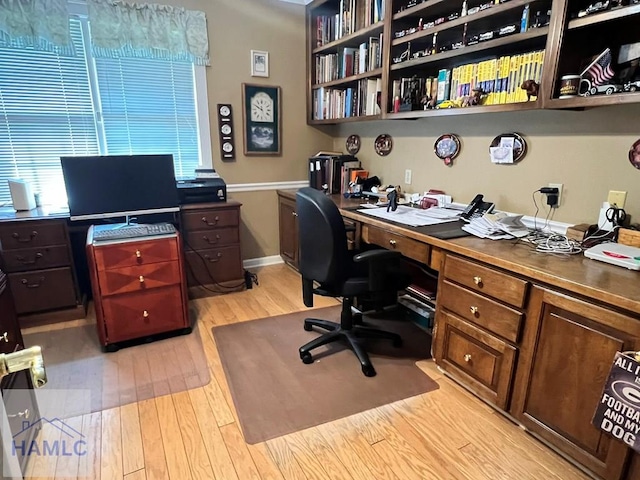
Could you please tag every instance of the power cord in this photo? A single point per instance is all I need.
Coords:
(550, 213)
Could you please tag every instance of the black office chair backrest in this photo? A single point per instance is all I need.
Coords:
(323, 252)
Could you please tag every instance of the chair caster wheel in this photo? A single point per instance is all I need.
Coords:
(397, 343)
(308, 327)
(306, 358)
(368, 371)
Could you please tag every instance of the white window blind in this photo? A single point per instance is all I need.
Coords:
(45, 112)
(142, 106)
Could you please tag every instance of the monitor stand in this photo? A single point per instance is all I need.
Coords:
(129, 222)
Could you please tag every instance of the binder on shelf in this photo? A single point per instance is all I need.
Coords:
(326, 169)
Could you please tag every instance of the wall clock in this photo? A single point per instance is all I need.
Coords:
(225, 132)
(262, 119)
(447, 147)
(353, 144)
(383, 144)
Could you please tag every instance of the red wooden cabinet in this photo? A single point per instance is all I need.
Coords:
(138, 287)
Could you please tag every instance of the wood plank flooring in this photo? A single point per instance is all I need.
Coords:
(445, 434)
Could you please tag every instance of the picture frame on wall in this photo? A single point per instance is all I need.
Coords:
(262, 119)
(259, 63)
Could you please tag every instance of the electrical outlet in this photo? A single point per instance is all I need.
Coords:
(407, 177)
(617, 198)
(559, 187)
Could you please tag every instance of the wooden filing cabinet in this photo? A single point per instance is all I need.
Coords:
(478, 323)
(138, 287)
(211, 235)
(36, 254)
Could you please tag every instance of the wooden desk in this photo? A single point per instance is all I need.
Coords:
(532, 334)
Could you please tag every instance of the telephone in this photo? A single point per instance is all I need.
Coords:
(477, 208)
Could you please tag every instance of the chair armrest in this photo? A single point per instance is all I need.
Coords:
(376, 255)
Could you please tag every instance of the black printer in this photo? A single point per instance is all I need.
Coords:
(201, 190)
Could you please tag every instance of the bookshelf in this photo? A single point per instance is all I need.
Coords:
(460, 45)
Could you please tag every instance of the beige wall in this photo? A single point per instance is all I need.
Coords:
(587, 151)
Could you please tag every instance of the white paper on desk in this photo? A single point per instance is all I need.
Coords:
(412, 217)
(442, 213)
(497, 226)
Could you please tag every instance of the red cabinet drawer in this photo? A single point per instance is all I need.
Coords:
(135, 253)
(138, 278)
(139, 314)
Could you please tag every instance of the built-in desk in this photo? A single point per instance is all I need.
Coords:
(532, 334)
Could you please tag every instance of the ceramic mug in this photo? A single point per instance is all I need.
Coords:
(569, 86)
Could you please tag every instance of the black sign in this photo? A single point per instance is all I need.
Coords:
(618, 412)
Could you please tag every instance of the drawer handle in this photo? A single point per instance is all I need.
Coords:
(5, 337)
(209, 241)
(294, 214)
(25, 413)
(32, 235)
(211, 224)
(138, 254)
(392, 243)
(26, 283)
(145, 314)
(141, 279)
(214, 260)
(467, 357)
(474, 311)
(477, 280)
(24, 261)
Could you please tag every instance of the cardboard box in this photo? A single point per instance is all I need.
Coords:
(578, 232)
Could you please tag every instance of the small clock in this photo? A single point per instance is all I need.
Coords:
(353, 144)
(261, 108)
(225, 131)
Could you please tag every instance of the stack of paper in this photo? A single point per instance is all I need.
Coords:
(497, 226)
(414, 217)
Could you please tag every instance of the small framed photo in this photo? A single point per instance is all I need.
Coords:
(259, 63)
(262, 119)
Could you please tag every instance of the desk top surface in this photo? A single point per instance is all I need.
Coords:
(609, 284)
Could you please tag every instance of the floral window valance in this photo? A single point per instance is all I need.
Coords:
(39, 24)
(123, 29)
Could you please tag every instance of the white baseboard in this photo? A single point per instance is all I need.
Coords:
(262, 261)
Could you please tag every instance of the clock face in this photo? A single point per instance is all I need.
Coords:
(227, 147)
(261, 108)
(225, 129)
(224, 111)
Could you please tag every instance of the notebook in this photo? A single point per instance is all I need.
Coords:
(616, 254)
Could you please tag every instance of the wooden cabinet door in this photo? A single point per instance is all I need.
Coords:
(288, 231)
(566, 355)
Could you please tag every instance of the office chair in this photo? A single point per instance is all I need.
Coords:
(324, 258)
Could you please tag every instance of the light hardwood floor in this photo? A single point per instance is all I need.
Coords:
(445, 434)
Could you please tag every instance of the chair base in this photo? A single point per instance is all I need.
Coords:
(351, 335)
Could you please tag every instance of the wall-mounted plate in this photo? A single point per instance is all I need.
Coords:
(508, 148)
(353, 144)
(383, 144)
(634, 154)
(447, 147)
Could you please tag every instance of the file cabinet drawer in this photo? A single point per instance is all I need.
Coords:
(43, 290)
(407, 246)
(482, 361)
(205, 219)
(128, 254)
(493, 316)
(139, 278)
(486, 280)
(204, 239)
(213, 266)
(18, 235)
(36, 258)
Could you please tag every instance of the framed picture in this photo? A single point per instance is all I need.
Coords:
(259, 63)
(261, 112)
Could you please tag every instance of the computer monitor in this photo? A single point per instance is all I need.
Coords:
(119, 185)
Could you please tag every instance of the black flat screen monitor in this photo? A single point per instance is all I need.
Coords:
(119, 185)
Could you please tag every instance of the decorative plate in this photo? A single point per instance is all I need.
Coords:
(634, 154)
(353, 144)
(447, 147)
(519, 145)
(383, 144)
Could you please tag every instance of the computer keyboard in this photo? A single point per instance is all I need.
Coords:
(134, 231)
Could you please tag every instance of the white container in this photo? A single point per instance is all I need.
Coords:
(21, 194)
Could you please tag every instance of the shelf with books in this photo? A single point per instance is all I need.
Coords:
(347, 80)
(353, 39)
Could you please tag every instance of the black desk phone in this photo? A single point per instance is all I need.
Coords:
(477, 208)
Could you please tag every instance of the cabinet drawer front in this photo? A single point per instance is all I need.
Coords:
(204, 219)
(32, 234)
(43, 290)
(138, 278)
(483, 361)
(493, 316)
(129, 254)
(407, 246)
(36, 258)
(138, 314)
(486, 280)
(204, 239)
(212, 266)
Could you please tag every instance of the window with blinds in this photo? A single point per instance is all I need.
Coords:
(53, 106)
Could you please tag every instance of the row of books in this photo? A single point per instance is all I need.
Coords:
(349, 61)
(364, 99)
(352, 16)
(334, 173)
